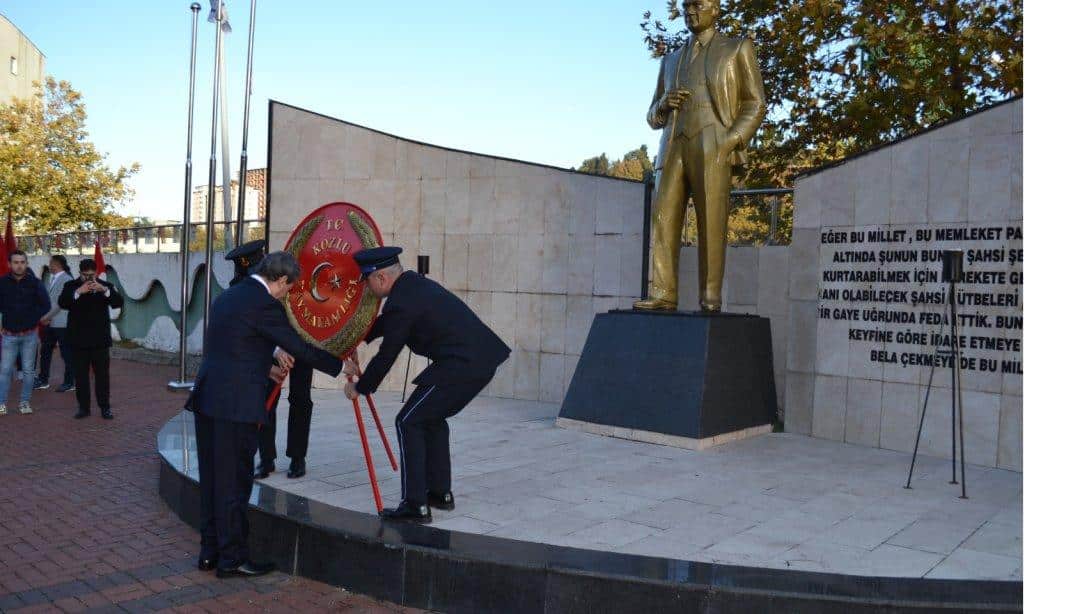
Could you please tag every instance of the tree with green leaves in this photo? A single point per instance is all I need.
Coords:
(52, 178)
(842, 76)
(598, 165)
(634, 165)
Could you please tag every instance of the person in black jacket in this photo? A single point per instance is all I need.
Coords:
(464, 352)
(247, 323)
(88, 301)
(23, 301)
(246, 257)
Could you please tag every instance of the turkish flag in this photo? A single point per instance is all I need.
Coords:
(100, 262)
(6, 247)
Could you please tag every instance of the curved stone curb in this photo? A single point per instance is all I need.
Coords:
(450, 571)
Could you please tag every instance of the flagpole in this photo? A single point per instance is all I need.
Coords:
(211, 205)
(244, 163)
(182, 383)
(224, 131)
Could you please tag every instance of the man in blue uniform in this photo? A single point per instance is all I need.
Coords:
(299, 412)
(246, 324)
(246, 257)
(464, 355)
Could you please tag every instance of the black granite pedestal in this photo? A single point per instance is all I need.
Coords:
(687, 379)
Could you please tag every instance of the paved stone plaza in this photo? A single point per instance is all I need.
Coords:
(82, 526)
(779, 500)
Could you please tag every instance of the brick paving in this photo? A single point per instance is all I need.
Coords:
(82, 527)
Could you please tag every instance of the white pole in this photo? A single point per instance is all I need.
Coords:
(225, 130)
(209, 210)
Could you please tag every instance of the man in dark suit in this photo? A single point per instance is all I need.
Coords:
(247, 323)
(88, 301)
(246, 257)
(464, 352)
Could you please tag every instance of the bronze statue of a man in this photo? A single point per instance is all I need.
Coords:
(710, 100)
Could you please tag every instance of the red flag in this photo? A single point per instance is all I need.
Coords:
(4, 250)
(100, 262)
(9, 236)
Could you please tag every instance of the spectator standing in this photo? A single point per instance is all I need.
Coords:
(88, 301)
(55, 324)
(23, 302)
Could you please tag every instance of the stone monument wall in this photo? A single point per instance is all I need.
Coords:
(866, 302)
(535, 250)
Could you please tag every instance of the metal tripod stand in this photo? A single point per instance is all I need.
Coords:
(952, 271)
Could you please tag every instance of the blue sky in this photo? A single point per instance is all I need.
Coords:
(552, 82)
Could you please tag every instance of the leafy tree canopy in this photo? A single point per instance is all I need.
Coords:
(634, 165)
(51, 175)
(842, 76)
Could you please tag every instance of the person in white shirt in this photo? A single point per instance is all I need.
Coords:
(56, 324)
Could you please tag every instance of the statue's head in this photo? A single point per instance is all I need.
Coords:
(700, 15)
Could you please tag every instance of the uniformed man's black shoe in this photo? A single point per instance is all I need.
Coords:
(263, 470)
(207, 564)
(82, 414)
(107, 414)
(297, 468)
(248, 569)
(408, 512)
(444, 501)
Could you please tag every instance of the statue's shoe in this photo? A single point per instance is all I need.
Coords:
(655, 304)
(710, 308)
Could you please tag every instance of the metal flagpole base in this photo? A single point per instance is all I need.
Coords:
(176, 386)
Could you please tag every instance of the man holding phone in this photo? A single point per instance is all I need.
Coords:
(88, 301)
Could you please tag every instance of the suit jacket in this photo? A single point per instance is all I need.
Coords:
(59, 316)
(89, 315)
(435, 324)
(737, 92)
(245, 326)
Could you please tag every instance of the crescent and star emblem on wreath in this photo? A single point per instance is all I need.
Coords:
(329, 306)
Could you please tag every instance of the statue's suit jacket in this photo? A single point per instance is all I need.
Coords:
(737, 92)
